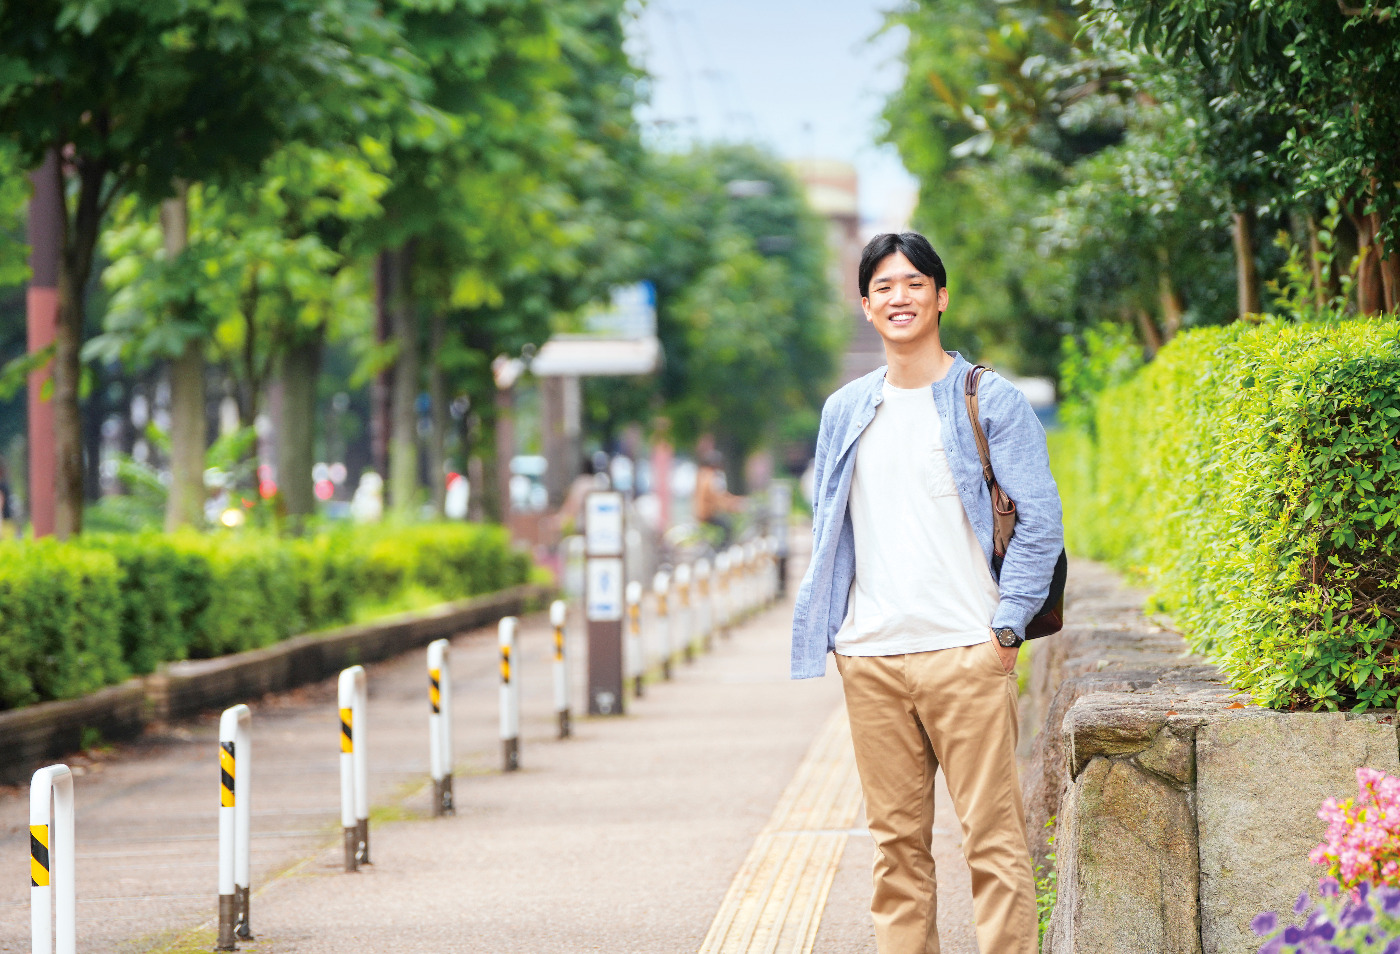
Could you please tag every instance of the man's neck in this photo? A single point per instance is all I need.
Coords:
(918, 366)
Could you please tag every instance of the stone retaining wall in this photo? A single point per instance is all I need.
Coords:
(35, 734)
(1181, 812)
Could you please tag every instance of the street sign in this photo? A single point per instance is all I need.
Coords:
(605, 575)
(602, 523)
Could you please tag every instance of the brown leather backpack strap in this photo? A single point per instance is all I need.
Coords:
(974, 378)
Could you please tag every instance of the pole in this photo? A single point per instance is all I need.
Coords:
(634, 637)
(354, 775)
(235, 818)
(52, 875)
(558, 614)
(661, 585)
(510, 695)
(440, 725)
(46, 226)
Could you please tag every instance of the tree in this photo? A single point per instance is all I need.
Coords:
(1340, 66)
(136, 97)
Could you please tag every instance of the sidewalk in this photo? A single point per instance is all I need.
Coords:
(700, 820)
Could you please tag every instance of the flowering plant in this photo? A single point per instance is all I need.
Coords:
(1361, 921)
(1363, 834)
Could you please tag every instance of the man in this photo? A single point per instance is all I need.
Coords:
(714, 504)
(902, 523)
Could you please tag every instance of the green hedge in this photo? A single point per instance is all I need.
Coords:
(1252, 475)
(77, 616)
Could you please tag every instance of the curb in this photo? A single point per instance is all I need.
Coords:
(34, 734)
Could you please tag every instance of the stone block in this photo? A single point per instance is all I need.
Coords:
(1171, 757)
(1128, 865)
(1260, 781)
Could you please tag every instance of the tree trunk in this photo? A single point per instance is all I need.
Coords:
(1151, 338)
(441, 416)
(382, 386)
(403, 438)
(301, 369)
(185, 506)
(1170, 299)
(1246, 269)
(79, 244)
(1388, 265)
(1369, 292)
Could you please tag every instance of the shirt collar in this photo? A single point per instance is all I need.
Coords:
(875, 389)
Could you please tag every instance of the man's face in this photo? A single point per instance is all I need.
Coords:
(902, 303)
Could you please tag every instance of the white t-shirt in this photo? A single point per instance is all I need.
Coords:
(922, 582)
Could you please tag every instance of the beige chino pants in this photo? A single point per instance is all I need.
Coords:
(910, 714)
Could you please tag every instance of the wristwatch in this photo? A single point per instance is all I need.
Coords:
(1007, 637)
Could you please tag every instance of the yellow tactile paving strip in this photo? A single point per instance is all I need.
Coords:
(775, 903)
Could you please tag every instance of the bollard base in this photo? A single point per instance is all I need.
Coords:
(638, 686)
(510, 754)
(363, 829)
(245, 928)
(442, 796)
(566, 727)
(352, 849)
(666, 668)
(228, 914)
(690, 652)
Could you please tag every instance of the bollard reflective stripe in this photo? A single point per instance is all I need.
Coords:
(510, 695)
(53, 905)
(440, 725)
(661, 585)
(704, 602)
(352, 693)
(558, 617)
(235, 821)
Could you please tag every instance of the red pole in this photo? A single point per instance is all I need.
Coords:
(46, 222)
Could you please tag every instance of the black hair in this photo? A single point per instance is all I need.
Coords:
(915, 247)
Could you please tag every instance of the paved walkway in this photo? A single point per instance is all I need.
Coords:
(720, 814)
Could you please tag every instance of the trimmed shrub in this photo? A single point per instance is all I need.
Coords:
(165, 590)
(78, 616)
(60, 622)
(1252, 474)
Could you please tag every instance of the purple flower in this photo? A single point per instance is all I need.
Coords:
(1393, 947)
(1327, 887)
(1301, 904)
(1390, 900)
(1293, 934)
(1354, 915)
(1265, 924)
(1276, 947)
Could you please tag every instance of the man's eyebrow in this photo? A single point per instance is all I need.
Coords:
(886, 278)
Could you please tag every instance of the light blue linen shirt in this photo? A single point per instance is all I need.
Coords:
(1022, 467)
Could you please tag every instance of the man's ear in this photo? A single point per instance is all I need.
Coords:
(865, 307)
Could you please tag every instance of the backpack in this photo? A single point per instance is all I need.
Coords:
(1051, 617)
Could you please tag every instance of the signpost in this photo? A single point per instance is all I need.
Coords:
(604, 607)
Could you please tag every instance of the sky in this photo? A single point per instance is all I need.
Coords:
(806, 78)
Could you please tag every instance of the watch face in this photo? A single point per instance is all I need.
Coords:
(1007, 637)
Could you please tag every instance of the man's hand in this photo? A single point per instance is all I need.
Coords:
(1008, 656)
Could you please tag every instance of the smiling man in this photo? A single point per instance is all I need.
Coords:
(902, 524)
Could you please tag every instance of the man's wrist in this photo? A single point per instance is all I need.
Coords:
(1006, 637)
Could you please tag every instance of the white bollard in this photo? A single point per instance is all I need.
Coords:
(510, 695)
(724, 616)
(52, 873)
(558, 617)
(704, 603)
(739, 586)
(235, 820)
(353, 698)
(751, 572)
(684, 613)
(661, 586)
(637, 663)
(440, 725)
